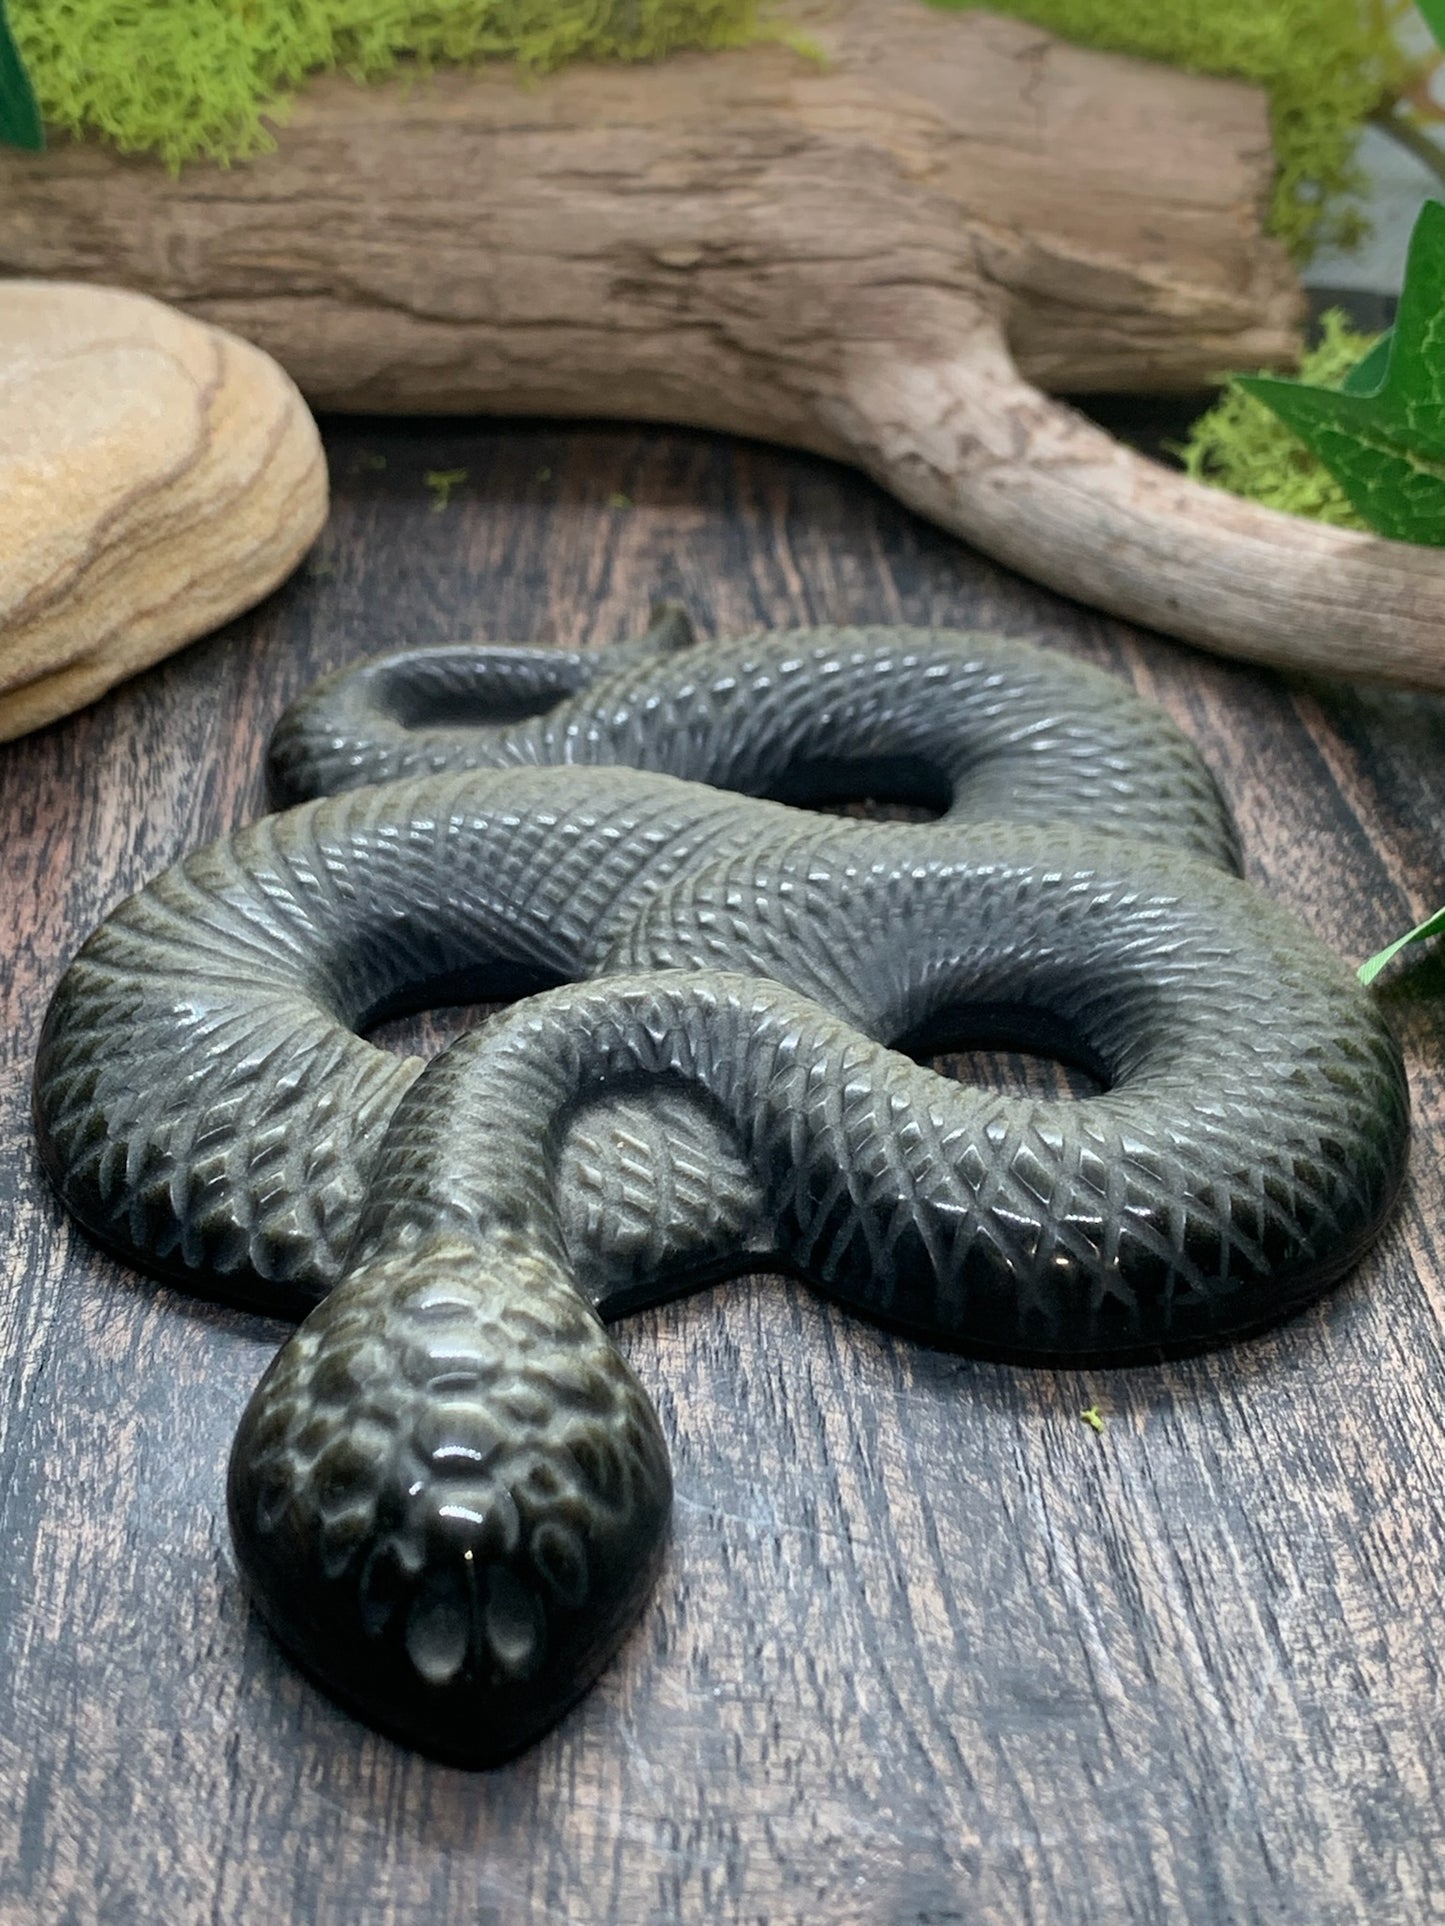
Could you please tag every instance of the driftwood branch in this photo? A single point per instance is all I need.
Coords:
(885, 255)
(968, 442)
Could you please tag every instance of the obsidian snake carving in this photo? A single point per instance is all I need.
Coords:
(450, 1494)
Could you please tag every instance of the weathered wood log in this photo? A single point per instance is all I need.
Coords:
(882, 255)
(694, 237)
(157, 477)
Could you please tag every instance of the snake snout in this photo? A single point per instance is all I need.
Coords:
(449, 1496)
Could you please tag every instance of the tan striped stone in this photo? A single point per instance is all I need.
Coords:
(158, 476)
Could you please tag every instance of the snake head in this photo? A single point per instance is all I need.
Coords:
(449, 1496)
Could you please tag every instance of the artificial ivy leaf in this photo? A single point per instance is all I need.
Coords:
(20, 124)
(1386, 447)
(1432, 926)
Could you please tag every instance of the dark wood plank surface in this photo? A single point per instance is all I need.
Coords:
(928, 1647)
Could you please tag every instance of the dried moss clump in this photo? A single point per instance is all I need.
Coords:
(1244, 447)
(192, 78)
(1326, 64)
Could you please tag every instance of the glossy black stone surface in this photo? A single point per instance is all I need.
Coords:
(449, 1493)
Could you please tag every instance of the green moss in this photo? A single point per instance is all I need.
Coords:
(1242, 446)
(186, 78)
(1326, 64)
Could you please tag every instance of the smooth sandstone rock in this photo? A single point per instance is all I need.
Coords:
(157, 475)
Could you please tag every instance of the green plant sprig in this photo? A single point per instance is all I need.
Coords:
(1381, 433)
(1240, 445)
(20, 123)
(1371, 968)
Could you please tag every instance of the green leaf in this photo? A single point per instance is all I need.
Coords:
(1367, 377)
(20, 124)
(1434, 12)
(1385, 444)
(1432, 926)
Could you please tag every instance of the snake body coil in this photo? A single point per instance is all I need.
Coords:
(449, 1493)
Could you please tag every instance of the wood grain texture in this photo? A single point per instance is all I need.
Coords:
(927, 1648)
(158, 476)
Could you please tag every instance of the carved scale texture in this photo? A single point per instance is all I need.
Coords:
(449, 1493)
